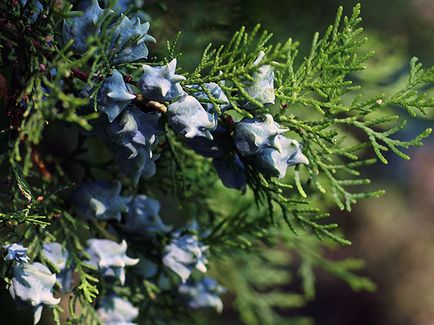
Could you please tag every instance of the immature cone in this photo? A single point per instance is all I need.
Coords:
(161, 83)
(129, 40)
(143, 217)
(100, 200)
(114, 96)
(32, 286)
(110, 257)
(252, 135)
(216, 92)
(58, 256)
(262, 88)
(273, 162)
(114, 310)
(16, 252)
(183, 254)
(189, 119)
(203, 294)
(80, 28)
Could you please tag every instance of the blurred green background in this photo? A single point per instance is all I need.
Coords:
(394, 234)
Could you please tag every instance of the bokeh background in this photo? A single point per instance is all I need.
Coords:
(394, 234)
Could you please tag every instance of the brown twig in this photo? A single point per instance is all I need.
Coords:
(148, 105)
(140, 101)
(80, 74)
(3, 89)
(36, 157)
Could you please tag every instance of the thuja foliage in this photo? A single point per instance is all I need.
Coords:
(243, 156)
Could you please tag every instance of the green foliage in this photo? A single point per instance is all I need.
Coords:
(259, 281)
(323, 107)
(342, 130)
